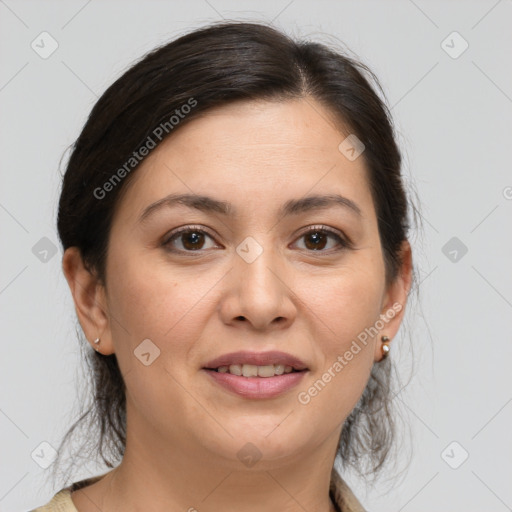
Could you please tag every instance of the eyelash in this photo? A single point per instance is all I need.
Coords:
(343, 242)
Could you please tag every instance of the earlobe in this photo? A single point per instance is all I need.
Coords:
(394, 303)
(89, 298)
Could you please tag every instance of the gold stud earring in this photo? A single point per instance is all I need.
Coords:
(385, 346)
(96, 342)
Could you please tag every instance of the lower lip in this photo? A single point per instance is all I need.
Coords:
(257, 387)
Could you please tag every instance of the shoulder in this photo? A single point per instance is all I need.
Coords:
(61, 501)
(343, 496)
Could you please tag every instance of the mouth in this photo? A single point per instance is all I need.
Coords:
(252, 370)
(256, 364)
(256, 375)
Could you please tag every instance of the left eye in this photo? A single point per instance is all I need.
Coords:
(317, 239)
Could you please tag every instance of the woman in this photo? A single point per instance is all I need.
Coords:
(235, 232)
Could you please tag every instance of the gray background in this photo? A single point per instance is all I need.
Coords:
(454, 117)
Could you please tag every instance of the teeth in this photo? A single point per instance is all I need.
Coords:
(235, 369)
(279, 369)
(251, 370)
(265, 371)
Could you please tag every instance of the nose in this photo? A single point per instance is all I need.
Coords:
(259, 294)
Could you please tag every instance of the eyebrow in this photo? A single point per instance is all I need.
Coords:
(211, 205)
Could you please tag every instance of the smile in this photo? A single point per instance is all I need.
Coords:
(256, 387)
(252, 370)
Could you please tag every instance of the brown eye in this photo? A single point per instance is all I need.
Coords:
(190, 239)
(317, 239)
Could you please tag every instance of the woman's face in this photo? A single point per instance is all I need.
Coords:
(247, 279)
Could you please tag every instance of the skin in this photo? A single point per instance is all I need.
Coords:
(183, 430)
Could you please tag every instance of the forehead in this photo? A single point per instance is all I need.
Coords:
(299, 125)
(253, 151)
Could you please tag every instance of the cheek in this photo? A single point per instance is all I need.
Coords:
(348, 304)
(344, 310)
(149, 300)
(138, 293)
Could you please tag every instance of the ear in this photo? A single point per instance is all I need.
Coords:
(395, 299)
(90, 301)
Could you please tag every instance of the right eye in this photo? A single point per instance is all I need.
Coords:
(191, 239)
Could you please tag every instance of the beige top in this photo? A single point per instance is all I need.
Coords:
(340, 493)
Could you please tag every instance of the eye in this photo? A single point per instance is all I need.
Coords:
(316, 239)
(191, 238)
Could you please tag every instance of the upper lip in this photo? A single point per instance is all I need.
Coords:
(257, 358)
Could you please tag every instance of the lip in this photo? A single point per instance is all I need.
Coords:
(257, 358)
(256, 387)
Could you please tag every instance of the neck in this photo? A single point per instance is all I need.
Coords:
(156, 475)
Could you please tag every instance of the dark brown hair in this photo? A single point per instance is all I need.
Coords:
(213, 66)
